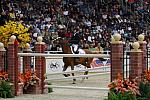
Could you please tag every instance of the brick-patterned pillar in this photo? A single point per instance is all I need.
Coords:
(116, 57)
(27, 59)
(13, 63)
(2, 57)
(40, 62)
(143, 47)
(135, 62)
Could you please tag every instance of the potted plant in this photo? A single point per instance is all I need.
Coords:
(30, 80)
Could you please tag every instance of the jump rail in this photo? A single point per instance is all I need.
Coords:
(81, 76)
(77, 87)
(49, 52)
(89, 69)
(64, 55)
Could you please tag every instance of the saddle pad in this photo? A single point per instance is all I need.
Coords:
(81, 51)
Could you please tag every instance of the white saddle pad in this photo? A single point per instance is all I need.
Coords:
(81, 51)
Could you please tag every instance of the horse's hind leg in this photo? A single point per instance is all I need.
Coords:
(88, 62)
(86, 72)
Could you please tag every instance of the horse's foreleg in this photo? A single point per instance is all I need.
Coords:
(72, 68)
(64, 69)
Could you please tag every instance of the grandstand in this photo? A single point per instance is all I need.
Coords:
(95, 21)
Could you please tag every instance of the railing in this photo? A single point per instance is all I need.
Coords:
(64, 55)
(72, 77)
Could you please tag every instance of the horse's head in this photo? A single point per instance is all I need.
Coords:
(65, 41)
(65, 44)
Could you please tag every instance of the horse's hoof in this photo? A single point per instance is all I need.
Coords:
(65, 75)
(74, 81)
(68, 75)
(84, 78)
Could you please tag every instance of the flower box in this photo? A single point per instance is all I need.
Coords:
(20, 89)
(33, 89)
(123, 89)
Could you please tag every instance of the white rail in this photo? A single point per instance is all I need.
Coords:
(77, 87)
(81, 76)
(73, 71)
(53, 52)
(64, 55)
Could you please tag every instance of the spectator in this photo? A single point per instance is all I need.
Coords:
(92, 21)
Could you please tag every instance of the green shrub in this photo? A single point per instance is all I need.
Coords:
(5, 89)
(119, 96)
(144, 91)
(49, 88)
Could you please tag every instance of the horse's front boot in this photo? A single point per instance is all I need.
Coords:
(74, 81)
(66, 75)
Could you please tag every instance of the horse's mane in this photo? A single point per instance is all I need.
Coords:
(66, 46)
(66, 49)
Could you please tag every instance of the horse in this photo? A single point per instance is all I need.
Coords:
(72, 61)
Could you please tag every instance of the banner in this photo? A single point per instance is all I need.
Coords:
(54, 65)
(98, 63)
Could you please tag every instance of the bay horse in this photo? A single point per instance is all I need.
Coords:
(72, 61)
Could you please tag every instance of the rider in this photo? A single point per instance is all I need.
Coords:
(75, 39)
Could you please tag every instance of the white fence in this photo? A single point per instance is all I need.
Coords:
(58, 56)
(64, 55)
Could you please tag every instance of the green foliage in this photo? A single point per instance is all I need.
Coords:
(49, 88)
(119, 96)
(144, 91)
(5, 89)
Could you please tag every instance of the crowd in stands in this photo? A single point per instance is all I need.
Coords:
(90, 22)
